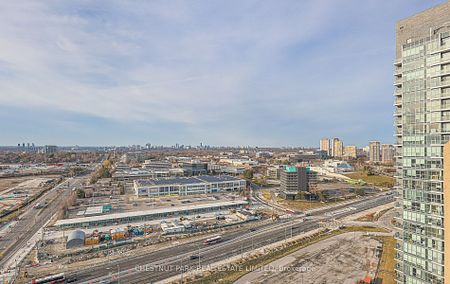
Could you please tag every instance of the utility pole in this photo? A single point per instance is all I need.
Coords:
(118, 274)
(199, 265)
(292, 227)
(285, 234)
(182, 270)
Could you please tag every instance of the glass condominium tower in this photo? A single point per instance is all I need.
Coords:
(422, 123)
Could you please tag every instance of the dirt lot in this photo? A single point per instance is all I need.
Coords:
(6, 183)
(345, 258)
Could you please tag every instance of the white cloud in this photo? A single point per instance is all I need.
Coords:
(193, 63)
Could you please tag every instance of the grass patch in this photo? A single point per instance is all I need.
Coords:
(376, 180)
(235, 271)
(301, 204)
(386, 272)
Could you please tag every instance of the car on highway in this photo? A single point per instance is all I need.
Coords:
(194, 256)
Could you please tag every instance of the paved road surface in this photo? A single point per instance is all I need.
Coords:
(166, 263)
(32, 220)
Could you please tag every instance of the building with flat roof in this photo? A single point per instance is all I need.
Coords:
(293, 179)
(350, 151)
(50, 149)
(337, 148)
(188, 185)
(422, 132)
(374, 151)
(156, 165)
(387, 153)
(325, 145)
(135, 174)
(145, 215)
(193, 168)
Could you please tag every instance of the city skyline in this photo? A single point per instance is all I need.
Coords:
(234, 74)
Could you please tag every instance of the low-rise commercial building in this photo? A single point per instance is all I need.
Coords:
(195, 168)
(337, 166)
(135, 174)
(188, 185)
(145, 215)
(156, 165)
(273, 172)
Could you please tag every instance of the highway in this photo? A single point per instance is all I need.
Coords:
(165, 263)
(32, 220)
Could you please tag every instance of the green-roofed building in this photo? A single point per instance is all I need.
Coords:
(293, 179)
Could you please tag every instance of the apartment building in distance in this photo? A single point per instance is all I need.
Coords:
(387, 153)
(350, 151)
(337, 148)
(325, 145)
(422, 128)
(374, 151)
(49, 149)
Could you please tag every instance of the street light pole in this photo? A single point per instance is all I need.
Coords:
(182, 270)
(199, 265)
(118, 274)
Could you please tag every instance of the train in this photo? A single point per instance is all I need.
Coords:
(213, 240)
(52, 279)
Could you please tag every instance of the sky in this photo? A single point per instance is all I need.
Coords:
(258, 73)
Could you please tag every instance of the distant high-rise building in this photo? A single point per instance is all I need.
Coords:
(325, 145)
(50, 149)
(350, 151)
(337, 148)
(387, 153)
(374, 151)
(422, 92)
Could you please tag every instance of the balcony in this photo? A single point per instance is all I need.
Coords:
(443, 72)
(442, 84)
(398, 102)
(443, 48)
(398, 81)
(441, 61)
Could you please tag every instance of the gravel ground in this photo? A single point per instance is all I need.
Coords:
(345, 258)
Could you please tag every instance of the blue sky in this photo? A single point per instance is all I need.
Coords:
(265, 73)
